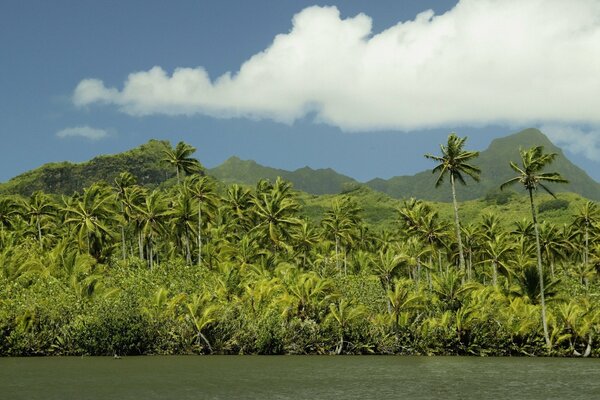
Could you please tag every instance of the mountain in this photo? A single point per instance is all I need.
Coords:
(314, 181)
(144, 162)
(495, 170)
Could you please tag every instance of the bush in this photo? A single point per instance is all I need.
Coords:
(554, 204)
(499, 197)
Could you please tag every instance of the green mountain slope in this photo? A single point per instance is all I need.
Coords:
(145, 163)
(315, 181)
(66, 178)
(493, 163)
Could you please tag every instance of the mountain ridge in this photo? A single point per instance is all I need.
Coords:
(145, 163)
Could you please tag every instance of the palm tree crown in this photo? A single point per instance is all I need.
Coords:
(180, 158)
(530, 175)
(453, 161)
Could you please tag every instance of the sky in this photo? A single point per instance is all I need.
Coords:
(363, 87)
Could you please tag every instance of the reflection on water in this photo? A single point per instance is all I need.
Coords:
(299, 377)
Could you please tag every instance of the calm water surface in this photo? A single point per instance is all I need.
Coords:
(299, 377)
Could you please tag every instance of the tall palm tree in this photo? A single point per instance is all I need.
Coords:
(180, 158)
(182, 220)
(202, 189)
(530, 175)
(340, 223)
(122, 182)
(152, 213)
(454, 162)
(587, 215)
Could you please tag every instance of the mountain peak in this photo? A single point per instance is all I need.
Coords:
(524, 139)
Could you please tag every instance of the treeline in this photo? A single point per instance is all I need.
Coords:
(121, 269)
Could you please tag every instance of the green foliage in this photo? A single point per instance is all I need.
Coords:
(499, 197)
(202, 268)
(553, 204)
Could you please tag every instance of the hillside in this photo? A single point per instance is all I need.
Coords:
(314, 181)
(144, 162)
(493, 163)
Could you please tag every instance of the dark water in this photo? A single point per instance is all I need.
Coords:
(299, 377)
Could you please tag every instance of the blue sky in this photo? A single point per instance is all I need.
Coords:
(365, 88)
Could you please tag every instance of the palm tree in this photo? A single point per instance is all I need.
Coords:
(122, 182)
(151, 216)
(340, 222)
(453, 162)
(179, 157)
(182, 215)
(275, 211)
(90, 216)
(8, 209)
(587, 215)
(530, 175)
(344, 313)
(202, 189)
(40, 205)
(496, 250)
(402, 298)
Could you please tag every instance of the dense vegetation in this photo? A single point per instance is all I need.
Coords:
(197, 267)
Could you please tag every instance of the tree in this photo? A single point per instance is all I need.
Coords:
(124, 181)
(179, 157)
(530, 175)
(202, 189)
(344, 313)
(340, 223)
(276, 210)
(40, 205)
(90, 216)
(453, 162)
(8, 210)
(151, 214)
(588, 214)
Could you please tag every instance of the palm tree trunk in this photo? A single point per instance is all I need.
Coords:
(337, 260)
(494, 273)
(199, 233)
(540, 271)
(124, 247)
(123, 236)
(141, 245)
(586, 251)
(39, 227)
(461, 255)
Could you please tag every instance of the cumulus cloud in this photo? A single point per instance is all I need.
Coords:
(482, 62)
(577, 140)
(82, 131)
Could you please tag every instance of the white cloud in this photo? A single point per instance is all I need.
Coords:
(575, 140)
(483, 62)
(82, 131)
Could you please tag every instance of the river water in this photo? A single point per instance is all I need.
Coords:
(298, 377)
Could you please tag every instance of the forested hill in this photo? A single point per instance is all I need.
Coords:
(145, 163)
(495, 169)
(314, 181)
(66, 178)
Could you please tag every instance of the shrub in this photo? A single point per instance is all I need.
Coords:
(554, 204)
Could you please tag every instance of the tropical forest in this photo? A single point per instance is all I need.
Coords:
(147, 252)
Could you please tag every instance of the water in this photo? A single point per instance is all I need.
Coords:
(298, 377)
